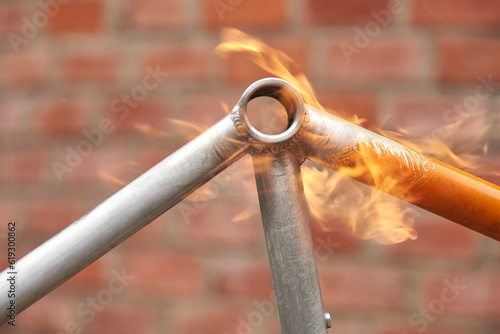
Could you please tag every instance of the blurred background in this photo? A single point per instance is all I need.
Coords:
(141, 79)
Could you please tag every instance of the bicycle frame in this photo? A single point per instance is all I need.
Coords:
(311, 134)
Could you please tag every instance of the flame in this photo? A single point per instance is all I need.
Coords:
(273, 61)
(276, 62)
(336, 197)
(108, 178)
(188, 130)
(245, 214)
(366, 212)
(119, 174)
(149, 130)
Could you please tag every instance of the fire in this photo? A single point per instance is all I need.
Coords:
(108, 178)
(336, 197)
(460, 143)
(119, 174)
(188, 130)
(149, 130)
(277, 63)
(368, 213)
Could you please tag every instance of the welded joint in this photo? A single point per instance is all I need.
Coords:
(298, 119)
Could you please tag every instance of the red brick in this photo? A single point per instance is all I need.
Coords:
(49, 217)
(27, 166)
(48, 315)
(431, 120)
(26, 68)
(206, 110)
(481, 298)
(241, 69)
(347, 105)
(482, 13)
(212, 222)
(124, 319)
(165, 274)
(129, 117)
(209, 322)
(78, 17)
(431, 329)
(427, 112)
(245, 14)
(62, 117)
(385, 58)
(11, 17)
(245, 278)
(438, 238)
(157, 14)
(91, 67)
(93, 278)
(343, 11)
(87, 171)
(361, 287)
(339, 325)
(8, 213)
(182, 62)
(13, 118)
(464, 60)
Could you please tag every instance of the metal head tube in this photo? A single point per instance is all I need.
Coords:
(283, 92)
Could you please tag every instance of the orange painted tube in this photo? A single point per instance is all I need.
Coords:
(402, 172)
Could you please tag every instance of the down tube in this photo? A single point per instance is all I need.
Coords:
(420, 180)
(123, 214)
(290, 249)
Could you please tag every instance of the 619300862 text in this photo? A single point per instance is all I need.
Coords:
(12, 273)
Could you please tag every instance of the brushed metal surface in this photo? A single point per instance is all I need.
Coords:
(285, 217)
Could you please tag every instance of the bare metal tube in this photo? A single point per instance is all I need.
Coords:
(284, 210)
(123, 214)
(417, 178)
(285, 217)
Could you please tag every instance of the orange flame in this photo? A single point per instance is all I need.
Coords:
(273, 61)
(276, 62)
(119, 174)
(149, 130)
(334, 198)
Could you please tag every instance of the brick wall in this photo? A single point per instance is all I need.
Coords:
(65, 67)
